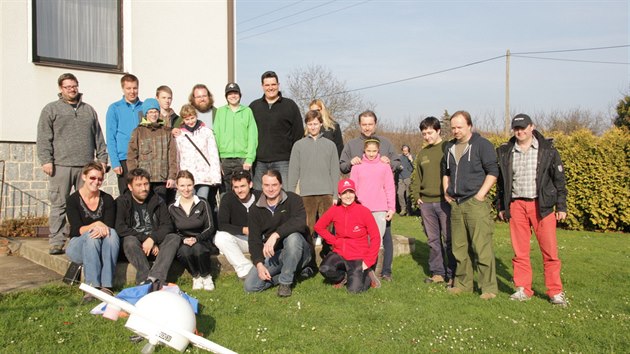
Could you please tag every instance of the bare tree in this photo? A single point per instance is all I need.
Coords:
(315, 81)
(572, 120)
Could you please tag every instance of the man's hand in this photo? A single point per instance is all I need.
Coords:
(48, 168)
(190, 241)
(155, 250)
(479, 197)
(247, 166)
(263, 273)
(355, 161)
(419, 201)
(147, 246)
(176, 132)
(268, 250)
(448, 198)
(502, 215)
(389, 215)
(561, 215)
(385, 159)
(170, 183)
(245, 230)
(118, 170)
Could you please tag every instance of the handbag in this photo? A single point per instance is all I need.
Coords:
(73, 274)
(198, 149)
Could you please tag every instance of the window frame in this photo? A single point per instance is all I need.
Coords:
(77, 64)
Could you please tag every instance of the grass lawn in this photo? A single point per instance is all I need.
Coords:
(403, 316)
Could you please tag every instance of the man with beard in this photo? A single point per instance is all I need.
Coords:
(144, 224)
(68, 137)
(279, 124)
(202, 100)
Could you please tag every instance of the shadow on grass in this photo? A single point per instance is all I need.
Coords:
(421, 256)
(206, 324)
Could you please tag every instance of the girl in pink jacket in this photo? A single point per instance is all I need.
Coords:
(355, 244)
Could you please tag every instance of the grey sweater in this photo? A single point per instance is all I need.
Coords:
(354, 148)
(315, 164)
(69, 137)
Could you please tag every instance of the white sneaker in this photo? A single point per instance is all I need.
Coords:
(197, 283)
(559, 300)
(520, 295)
(208, 284)
(318, 241)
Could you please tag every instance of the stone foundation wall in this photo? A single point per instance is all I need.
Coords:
(25, 186)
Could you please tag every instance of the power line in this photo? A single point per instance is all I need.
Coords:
(574, 50)
(270, 12)
(303, 21)
(420, 76)
(572, 60)
(287, 16)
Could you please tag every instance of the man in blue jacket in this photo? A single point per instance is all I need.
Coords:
(122, 118)
(471, 170)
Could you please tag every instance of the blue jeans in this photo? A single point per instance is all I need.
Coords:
(98, 256)
(292, 258)
(260, 168)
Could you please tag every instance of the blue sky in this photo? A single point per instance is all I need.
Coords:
(376, 42)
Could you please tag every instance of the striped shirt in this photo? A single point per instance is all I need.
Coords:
(524, 167)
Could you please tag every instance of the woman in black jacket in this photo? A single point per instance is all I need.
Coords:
(193, 222)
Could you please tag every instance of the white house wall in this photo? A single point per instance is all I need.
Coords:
(175, 43)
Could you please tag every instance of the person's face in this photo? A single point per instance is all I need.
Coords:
(165, 100)
(130, 90)
(153, 115)
(314, 127)
(201, 99)
(242, 188)
(368, 125)
(93, 180)
(271, 187)
(139, 188)
(524, 134)
(69, 90)
(233, 98)
(270, 87)
(460, 129)
(190, 121)
(431, 136)
(348, 197)
(405, 151)
(371, 150)
(185, 187)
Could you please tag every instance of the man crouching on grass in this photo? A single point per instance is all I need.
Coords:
(277, 238)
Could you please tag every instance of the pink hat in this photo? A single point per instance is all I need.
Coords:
(344, 185)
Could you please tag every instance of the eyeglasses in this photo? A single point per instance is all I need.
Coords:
(72, 87)
(94, 178)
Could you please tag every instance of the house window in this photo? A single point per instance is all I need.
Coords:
(78, 33)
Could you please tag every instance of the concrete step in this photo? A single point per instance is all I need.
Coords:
(36, 250)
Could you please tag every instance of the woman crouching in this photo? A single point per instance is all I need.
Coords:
(355, 244)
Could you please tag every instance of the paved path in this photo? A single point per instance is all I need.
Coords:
(18, 273)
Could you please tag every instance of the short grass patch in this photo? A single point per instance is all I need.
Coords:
(403, 316)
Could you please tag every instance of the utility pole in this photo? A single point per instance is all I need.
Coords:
(507, 92)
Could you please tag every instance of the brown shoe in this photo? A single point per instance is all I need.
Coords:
(455, 290)
(487, 296)
(436, 278)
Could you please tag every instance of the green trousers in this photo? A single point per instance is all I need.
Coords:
(471, 232)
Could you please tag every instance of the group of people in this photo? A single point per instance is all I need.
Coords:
(452, 182)
(214, 179)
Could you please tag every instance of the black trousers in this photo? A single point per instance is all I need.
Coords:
(334, 268)
(195, 258)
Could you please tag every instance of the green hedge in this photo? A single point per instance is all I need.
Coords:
(598, 178)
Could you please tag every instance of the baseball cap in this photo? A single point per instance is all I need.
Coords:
(521, 121)
(345, 185)
(232, 87)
